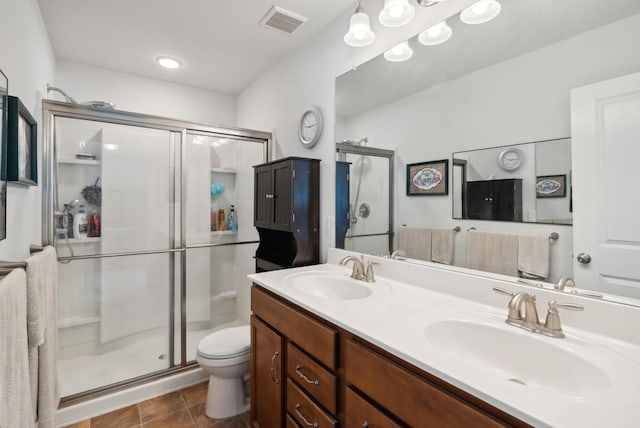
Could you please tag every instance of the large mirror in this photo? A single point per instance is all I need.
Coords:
(4, 91)
(491, 88)
(525, 182)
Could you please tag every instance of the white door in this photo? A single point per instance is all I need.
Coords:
(605, 128)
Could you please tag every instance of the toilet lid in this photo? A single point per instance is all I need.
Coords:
(225, 343)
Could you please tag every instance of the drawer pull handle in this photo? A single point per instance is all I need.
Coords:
(365, 424)
(306, 379)
(301, 416)
(273, 369)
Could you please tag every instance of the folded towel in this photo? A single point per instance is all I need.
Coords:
(15, 390)
(493, 252)
(416, 242)
(442, 242)
(533, 256)
(43, 359)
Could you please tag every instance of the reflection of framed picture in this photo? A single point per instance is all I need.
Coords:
(22, 145)
(428, 178)
(551, 186)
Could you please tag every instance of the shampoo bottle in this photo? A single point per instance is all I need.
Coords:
(232, 222)
(80, 224)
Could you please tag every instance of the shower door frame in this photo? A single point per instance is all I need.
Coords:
(54, 109)
(342, 149)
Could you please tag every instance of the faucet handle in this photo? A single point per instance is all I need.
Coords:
(369, 275)
(552, 322)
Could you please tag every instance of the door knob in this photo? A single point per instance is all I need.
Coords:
(583, 258)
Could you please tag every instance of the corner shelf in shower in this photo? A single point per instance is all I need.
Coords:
(224, 170)
(76, 321)
(71, 161)
(224, 232)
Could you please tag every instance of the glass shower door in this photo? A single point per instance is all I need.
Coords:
(116, 232)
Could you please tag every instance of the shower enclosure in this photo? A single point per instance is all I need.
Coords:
(149, 269)
(364, 195)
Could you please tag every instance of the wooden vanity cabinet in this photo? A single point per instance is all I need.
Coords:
(330, 377)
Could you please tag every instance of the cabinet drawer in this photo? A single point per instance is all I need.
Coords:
(310, 376)
(312, 336)
(359, 413)
(304, 411)
(411, 398)
(291, 423)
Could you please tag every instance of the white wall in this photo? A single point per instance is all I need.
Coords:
(143, 95)
(276, 100)
(27, 59)
(493, 115)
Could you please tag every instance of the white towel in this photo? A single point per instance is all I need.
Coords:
(416, 242)
(43, 360)
(533, 256)
(15, 390)
(493, 252)
(442, 242)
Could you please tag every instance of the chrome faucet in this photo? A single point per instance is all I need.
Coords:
(529, 319)
(398, 254)
(358, 267)
(563, 282)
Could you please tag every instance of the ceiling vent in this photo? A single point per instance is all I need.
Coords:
(282, 20)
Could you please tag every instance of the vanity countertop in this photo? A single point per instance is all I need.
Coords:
(394, 317)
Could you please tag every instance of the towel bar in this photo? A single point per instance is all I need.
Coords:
(34, 248)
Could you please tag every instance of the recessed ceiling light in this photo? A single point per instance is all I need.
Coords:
(168, 62)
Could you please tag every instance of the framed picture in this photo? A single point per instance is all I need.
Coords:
(428, 178)
(22, 144)
(551, 186)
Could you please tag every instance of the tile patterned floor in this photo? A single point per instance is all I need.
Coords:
(178, 409)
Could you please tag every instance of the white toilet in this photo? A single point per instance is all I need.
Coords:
(225, 356)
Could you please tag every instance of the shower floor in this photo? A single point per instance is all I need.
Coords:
(85, 372)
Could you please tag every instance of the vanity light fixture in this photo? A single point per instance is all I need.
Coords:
(396, 13)
(400, 52)
(359, 33)
(435, 34)
(480, 12)
(168, 62)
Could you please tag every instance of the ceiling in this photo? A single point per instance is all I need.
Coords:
(521, 27)
(220, 42)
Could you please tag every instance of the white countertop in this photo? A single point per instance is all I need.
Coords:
(395, 315)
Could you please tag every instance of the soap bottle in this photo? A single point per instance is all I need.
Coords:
(80, 223)
(94, 224)
(232, 222)
(221, 224)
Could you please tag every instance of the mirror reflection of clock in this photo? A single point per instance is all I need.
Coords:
(509, 159)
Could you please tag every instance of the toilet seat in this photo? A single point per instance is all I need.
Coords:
(226, 343)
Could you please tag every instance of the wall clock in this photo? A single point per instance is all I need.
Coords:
(509, 159)
(310, 127)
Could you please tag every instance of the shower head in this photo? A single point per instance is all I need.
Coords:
(361, 142)
(96, 104)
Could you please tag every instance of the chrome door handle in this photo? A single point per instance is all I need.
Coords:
(273, 369)
(303, 377)
(583, 258)
(301, 416)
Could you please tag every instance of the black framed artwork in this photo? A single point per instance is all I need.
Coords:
(22, 144)
(428, 178)
(4, 90)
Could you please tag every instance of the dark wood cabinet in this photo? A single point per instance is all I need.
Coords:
(494, 200)
(267, 375)
(287, 212)
(333, 378)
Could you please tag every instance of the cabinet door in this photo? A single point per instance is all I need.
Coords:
(267, 376)
(263, 203)
(282, 186)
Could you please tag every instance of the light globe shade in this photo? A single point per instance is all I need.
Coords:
(396, 13)
(400, 52)
(480, 12)
(436, 34)
(359, 33)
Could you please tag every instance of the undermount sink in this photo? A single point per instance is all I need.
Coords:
(332, 286)
(483, 342)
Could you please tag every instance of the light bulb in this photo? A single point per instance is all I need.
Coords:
(435, 30)
(480, 12)
(435, 34)
(396, 13)
(400, 52)
(168, 62)
(359, 33)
